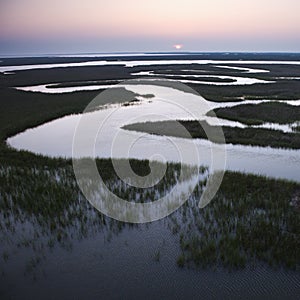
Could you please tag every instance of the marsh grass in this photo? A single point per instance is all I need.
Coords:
(250, 221)
(234, 135)
(296, 128)
(257, 114)
(157, 256)
(46, 200)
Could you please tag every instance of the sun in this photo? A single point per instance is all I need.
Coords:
(178, 46)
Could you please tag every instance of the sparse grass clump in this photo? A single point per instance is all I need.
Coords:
(296, 128)
(157, 256)
(181, 261)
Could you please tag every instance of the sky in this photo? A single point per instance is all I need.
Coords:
(77, 26)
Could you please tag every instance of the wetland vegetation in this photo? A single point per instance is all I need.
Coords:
(257, 114)
(233, 135)
(252, 220)
(296, 128)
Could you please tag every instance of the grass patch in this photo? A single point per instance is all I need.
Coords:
(249, 221)
(257, 114)
(233, 135)
(296, 128)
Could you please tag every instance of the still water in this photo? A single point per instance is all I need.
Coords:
(55, 138)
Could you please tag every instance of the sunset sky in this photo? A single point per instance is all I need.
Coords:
(71, 26)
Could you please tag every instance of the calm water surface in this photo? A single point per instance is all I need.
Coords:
(56, 138)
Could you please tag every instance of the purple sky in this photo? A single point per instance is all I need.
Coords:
(65, 26)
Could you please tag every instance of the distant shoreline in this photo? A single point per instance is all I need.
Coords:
(200, 55)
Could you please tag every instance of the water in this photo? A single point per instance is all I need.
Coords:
(53, 88)
(124, 267)
(235, 79)
(246, 70)
(56, 138)
(141, 63)
(275, 126)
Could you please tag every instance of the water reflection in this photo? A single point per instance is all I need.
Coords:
(60, 216)
(61, 231)
(55, 138)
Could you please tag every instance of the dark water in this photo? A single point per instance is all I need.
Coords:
(125, 265)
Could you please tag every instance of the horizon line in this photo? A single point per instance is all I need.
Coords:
(143, 52)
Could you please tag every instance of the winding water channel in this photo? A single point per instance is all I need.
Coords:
(55, 138)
